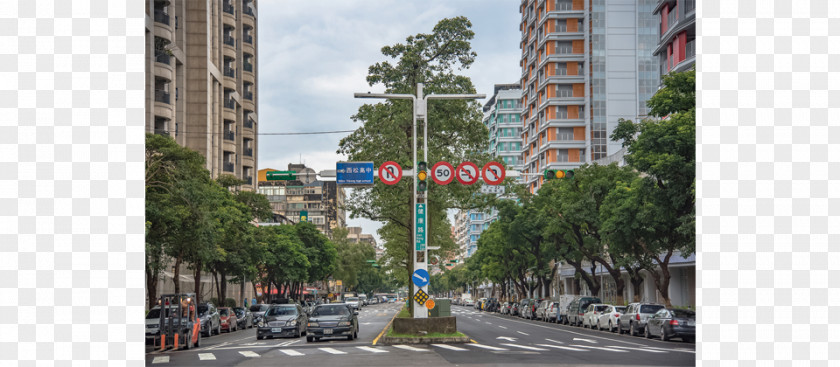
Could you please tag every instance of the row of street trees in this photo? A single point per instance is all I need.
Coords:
(633, 218)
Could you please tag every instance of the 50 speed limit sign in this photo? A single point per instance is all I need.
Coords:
(443, 173)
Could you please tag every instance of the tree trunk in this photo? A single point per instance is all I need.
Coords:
(151, 285)
(242, 291)
(222, 287)
(576, 283)
(176, 279)
(662, 282)
(219, 299)
(636, 281)
(254, 285)
(615, 273)
(197, 280)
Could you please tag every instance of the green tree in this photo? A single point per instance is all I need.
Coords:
(664, 150)
(320, 252)
(285, 259)
(456, 134)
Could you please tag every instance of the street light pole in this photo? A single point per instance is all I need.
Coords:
(419, 258)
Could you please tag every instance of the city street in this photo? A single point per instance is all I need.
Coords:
(499, 340)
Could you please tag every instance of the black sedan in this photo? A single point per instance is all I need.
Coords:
(671, 323)
(282, 320)
(244, 318)
(333, 320)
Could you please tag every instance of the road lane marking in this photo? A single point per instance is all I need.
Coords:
(408, 347)
(525, 347)
(291, 352)
(332, 351)
(502, 327)
(206, 357)
(562, 347)
(672, 350)
(554, 341)
(450, 347)
(249, 354)
(586, 340)
(487, 347)
(564, 329)
(488, 323)
(642, 349)
(600, 348)
(522, 333)
(161, 359)
(375, 350)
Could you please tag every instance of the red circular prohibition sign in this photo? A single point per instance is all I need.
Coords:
(498, 173)
(384, 177)
(461, 170)
(445, 175)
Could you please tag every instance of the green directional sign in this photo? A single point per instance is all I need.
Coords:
(420, 228)
(280, 175)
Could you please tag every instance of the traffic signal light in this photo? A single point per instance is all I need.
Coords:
(422, 175)
(551, 174)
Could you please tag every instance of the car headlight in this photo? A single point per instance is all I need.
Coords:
(260, 324)
(344, 323)
(315, 324)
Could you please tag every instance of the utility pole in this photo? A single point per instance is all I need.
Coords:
(420, 257)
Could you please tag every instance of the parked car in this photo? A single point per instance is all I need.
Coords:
(504, 309)
(364, 299)
(551, 311)
(333, 320)
(153, 321)
(211, 322)
(563, 308)
(258, 311)
(514, 309)
(283, 320)
(609, 318)
(354, 302)
(244, 318)
(578, 307)
(592, 313)
(636, 316)
(671, 323)
(469, 302)
(523, 305)
(531, 309)
(542, 308)
(227, 319)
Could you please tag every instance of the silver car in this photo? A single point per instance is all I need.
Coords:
(609, 318)
(635, 318)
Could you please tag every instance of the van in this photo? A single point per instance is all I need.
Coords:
(574, 313)
(563, 308)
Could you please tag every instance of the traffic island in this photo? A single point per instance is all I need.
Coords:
(423, 331)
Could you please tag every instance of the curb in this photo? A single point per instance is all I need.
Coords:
(388, 325)
(420, 340)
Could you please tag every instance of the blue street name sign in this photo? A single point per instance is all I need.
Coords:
(420, 228)
(420, 277)
(354, 173)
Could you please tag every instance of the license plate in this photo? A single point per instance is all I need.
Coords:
(690, 323)
(276, 330)
(327, 331)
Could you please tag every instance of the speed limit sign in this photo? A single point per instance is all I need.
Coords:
(442, 173)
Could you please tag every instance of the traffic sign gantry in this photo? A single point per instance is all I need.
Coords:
(354, 173)
(467, 173)
(493, 173)
(443, 173)
(390, 172)
(280, 175)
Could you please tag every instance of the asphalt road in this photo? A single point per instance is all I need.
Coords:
(498, 340)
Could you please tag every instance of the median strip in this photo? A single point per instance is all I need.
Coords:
(387, 326)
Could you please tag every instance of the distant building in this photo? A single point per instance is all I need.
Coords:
(355, 235)
(675, 48)
(322, 200)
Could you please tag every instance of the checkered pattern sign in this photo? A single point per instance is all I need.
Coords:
(421, 297)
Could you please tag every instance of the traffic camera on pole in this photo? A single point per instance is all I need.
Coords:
(551, 174)
(421, 176)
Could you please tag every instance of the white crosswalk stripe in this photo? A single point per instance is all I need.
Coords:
(332, 351)
(206, 356)
(486, 346)
(641, 349)
(562, 347)
(408, 347)
(249, 354)
(291, 352)
(525, 347)
(450, 347)
(161, 359)
(600, 348)
(371, 349)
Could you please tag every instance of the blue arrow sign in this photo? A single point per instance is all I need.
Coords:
(420, 277)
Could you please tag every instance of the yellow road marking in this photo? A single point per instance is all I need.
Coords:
(386, 327)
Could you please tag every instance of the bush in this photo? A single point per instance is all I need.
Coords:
(230, 302)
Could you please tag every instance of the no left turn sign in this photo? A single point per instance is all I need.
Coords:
(467, 173)
(443, 173)
(390, 172)
(493, 173)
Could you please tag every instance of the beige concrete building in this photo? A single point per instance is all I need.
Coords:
(201, 80)
(355, 235)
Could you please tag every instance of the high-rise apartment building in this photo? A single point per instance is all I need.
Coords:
(585, 64)
(321, 200)
(201, 85)
(502, 116)
(676, 48)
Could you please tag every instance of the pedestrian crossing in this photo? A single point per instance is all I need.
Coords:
(291, 351)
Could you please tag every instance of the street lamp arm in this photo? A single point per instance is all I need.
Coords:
(455, 96)
(383, 95)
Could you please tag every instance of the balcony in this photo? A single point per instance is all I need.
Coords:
(249, 96)
(248, 67)
(248, 152)
(230, 41)
(248, 123)
(230, 72)
(248, 39)
(230, 135)
(228, 8)
(248, 180)
(227, 166)
(163, 58)
(247, 10)
(229, 103)
(162, 96)
(161, 17)
(689, 50)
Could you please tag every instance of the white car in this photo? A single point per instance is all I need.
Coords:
(609, 318)
(356, 302)
(593, 312)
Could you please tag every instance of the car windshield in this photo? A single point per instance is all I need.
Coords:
(202, 309)
(239, 312)
(352, 299)
(155, 314)
(601, 308)
(223, 312)
(620, 309)
(331, 311)
(258, 308)
(683, 314)
(650, 308)
(282, 311)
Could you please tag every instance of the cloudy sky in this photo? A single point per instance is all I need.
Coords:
(313, 55)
